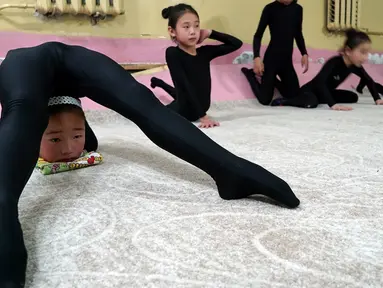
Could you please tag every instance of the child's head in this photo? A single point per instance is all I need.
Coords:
(64, 137)
(356, 47)
(183, 24)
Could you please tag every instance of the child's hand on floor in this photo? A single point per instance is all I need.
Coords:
(379, 102)
(341, 108)
(206, 122)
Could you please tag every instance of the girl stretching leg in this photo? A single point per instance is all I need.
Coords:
(30, 76)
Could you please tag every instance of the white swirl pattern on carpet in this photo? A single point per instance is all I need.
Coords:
(147, 219)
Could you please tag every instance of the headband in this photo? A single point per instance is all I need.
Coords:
(60, 100)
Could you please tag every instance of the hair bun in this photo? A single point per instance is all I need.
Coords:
(351, 32)
(166, 12)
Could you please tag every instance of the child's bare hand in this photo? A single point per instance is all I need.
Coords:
(204, 34)
(379, 102)
(341, 108)
(206, 122)
(259, 68)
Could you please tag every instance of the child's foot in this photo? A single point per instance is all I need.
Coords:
(153, 82)
(251, 77)
(248, 179)
(359, 90)
(277, 102)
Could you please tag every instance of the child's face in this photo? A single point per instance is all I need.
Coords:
(187, 30)
(64, 138)
(359, 55)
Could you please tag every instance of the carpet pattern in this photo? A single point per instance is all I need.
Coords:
(144, 218)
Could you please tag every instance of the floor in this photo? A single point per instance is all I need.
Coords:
(144, 218)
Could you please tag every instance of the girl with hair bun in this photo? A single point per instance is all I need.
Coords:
(190, 66)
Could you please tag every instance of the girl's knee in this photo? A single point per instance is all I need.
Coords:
(354, 98)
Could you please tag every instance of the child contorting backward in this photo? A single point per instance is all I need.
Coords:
(190, 66)
(30, 77)
(284, 18)
(323, 88)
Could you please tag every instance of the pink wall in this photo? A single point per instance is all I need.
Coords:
(227, 80)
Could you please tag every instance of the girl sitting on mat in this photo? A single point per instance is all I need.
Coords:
(323, 88)
(190, 66)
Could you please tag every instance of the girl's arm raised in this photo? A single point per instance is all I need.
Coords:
(230, 44)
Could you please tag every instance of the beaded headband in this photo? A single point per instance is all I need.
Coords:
(59, 100)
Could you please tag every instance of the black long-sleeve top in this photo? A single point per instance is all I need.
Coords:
(191, 73)
(285, 24)
(332, 74)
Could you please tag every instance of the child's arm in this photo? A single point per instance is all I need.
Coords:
(230, 44)
(365, 78)
(187, 93)
(299, 39)
(257, 39)
(321, 81)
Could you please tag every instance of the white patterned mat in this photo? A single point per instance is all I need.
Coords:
(147, 219)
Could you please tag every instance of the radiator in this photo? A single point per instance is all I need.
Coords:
(88, 7)
(343, 14)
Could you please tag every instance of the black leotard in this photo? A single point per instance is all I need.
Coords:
(30, 76)
(191, 75)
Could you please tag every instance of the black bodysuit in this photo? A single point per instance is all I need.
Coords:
(191, 75)
(30, 76)
(285, 25)
(363, 83)
(323, 88)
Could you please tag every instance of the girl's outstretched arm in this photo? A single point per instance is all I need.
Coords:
(366, 79)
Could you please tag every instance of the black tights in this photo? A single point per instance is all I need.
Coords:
(311, 100)
(288, 86)
(303, 98)
(30, 76)
(184, 110)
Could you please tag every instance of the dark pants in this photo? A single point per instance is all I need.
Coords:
(30, 76)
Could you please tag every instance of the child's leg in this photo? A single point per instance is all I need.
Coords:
(263, 91)
(26, 78)
(91, 142)
(344, 96)
(361, 85)
(305, 99)
(156, 82)
(289, 84)
(107, 83)
(379, 87)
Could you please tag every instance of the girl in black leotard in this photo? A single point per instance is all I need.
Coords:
(284, 18)
(190, 66)
(29, 77)
(323, 88)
